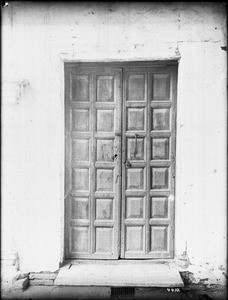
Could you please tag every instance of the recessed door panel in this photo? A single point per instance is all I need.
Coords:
(135, 207)
(80, 208)
(79, 88)
(105, 87)
(161, 87)
(136, 87)
(104, 209)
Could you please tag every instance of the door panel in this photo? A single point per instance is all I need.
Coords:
(149, 101)
(120, 161)
(93, 162)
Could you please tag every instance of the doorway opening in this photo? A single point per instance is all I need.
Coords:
(120, 128)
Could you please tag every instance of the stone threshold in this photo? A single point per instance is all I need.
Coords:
(118, 273)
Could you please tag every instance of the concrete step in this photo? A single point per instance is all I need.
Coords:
(119, 275)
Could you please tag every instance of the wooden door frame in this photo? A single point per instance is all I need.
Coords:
(119, 64)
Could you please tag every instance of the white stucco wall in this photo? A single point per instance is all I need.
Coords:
(37, 38)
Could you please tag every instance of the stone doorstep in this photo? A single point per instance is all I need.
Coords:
(119, 275)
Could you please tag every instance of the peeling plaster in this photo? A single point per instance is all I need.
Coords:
(21, 89)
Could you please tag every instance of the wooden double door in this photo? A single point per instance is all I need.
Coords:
(119, 160)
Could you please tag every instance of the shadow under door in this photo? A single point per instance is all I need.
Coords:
(120, 160)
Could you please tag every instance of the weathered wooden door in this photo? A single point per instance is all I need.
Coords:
(148, 162)
(120, 160)
(93, 162)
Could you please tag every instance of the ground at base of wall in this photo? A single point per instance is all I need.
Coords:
(202, 292)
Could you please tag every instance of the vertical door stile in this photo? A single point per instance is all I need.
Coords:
(148, 155)
(67, 177)
(92, 163)
(117, 159)
(173, 158)
(123, 150)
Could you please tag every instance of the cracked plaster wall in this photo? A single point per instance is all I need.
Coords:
(37, 37)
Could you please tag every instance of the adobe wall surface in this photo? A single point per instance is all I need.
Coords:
(37, 39)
